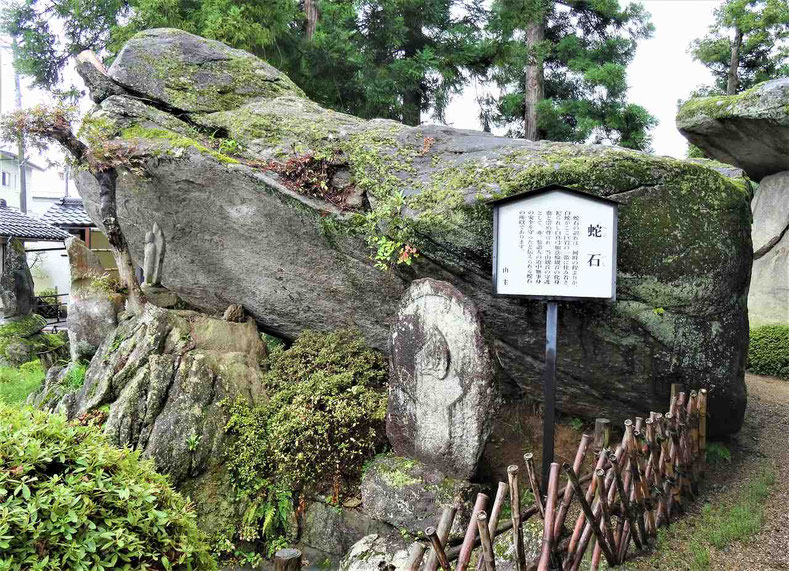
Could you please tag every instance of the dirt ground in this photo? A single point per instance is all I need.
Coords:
(763, 441)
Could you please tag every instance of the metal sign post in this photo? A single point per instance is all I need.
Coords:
(554, 244)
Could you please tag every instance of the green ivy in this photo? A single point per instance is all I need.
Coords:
(70, 500)
(768, 353)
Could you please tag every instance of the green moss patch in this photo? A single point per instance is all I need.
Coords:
(173, 140)
(17, 383)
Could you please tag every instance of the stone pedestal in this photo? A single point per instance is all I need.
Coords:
(160, 296)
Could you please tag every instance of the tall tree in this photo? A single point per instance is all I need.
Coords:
(374, 58)
(561, 66)
(746, 44)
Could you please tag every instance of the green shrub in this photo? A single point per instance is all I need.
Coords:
(69, 500)
(16, 383)
(324, 419)
(768, 353)
(75, 377)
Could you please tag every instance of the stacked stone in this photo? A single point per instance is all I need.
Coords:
(751, 131)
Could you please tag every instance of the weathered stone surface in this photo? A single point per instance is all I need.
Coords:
(768, 299)
(194, 74)
(376, 552)
(409, 495)
(92, 310)
(334, 530)
(770, 208)
(441, 385)
(160, 296)
(234, 313)
(297, 262)
(16, 282)
(163, 375)
(749, 130)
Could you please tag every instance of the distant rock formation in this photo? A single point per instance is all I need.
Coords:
(751, 131)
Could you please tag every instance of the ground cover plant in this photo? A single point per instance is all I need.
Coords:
(69, 500)
(324, 419)
(768, 352)
(16, 383)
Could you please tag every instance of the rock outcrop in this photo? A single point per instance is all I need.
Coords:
(92, 306)
(162, 377)
(246, 223)
(751, 131)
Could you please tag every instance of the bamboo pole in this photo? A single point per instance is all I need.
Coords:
(415, 556)
(609, 557)
(534, 483)
(579, 523)
(515, 503)
(627, 507)
(287, 560)
(602, 433)
(703, 429)
(493, 520)
(438, 549)
(568, 490)
(550, 513)
(487, 545)
(471, 531)
(443, 528)
(602, 493)
(454, 551)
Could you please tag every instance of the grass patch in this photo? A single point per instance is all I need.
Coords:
(690, 542)
(76, 375)
(16, 383)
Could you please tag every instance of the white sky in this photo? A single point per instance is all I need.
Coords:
(661, 73)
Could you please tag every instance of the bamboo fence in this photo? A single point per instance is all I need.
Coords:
(637, 486)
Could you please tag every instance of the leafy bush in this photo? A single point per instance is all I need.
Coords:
(76, 375)
(325, 417)
(16, 383)
(768, 353)
(69, 500)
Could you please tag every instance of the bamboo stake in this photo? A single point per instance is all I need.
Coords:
(627, 507)
(602, 433)
(443, 528)
(602, 493)
(438, 549)
(454, 551)
(568, 490)
(493, 520)
(703, 429)
(550, 513)
(534, 483)
(471, 533)
(487, 546)
(609, 557)
(517, 530)
(579, 523)
(639, 424)
(415, 556)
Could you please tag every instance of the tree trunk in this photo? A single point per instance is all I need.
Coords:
(120, 249)
(733, 83)
(534, 90)
(412, 108)
(311, 14)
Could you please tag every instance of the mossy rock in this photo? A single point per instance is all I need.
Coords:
(298, 259)
(22, 340)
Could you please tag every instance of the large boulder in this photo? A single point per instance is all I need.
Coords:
(284, 226)
(93, 306)
(16, 281)
(749, 130)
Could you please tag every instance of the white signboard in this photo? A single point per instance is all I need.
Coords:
(555, 243)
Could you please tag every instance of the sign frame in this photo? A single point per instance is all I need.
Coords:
(496, 203)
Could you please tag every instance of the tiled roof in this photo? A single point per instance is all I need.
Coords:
(14, 224)
(67, 212)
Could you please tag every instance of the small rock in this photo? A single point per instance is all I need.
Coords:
(234, 313)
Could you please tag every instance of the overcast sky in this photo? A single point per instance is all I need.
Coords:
(661, 73)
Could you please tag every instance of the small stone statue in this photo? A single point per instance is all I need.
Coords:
(154, 256)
